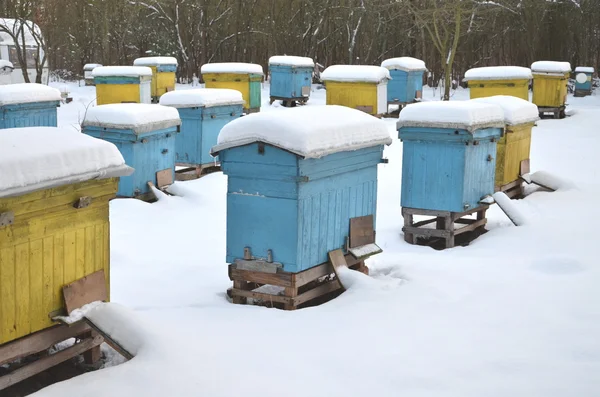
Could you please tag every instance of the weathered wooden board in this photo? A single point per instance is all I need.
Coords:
(337, 259)
(164, 178)
(361, 231)
(85, 290)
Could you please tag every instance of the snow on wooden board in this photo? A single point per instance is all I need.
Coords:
(407, 64)
(202, 97)
(356, 73)
(27, 93)
(551, 67)
(310, 132)
(91, 66)
(289, 60)
(4, 64)
(231, 67)
(498, 73)
(153, 61)
(121, 71)
(467, 115)
(139, 117)
(516, 110)
(584, 69)
(34, 158)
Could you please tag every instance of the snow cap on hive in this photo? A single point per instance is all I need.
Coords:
(516, 110)
(153, 61)
(406, 64)
(6, 64)
(27, 93)
(121, 71)
(202, 97)
(498, 73)
(138, 117)
(232, 67)
(289, 60)
(551, 67)
(463, 115)
(310, 132)
(356, 73)
(91, 66)
(584, 69)
(35, 158)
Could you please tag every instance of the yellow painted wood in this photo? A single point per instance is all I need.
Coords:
(550, 91)
(50, 244)
(512, 148)
(234, 81)
(117, 93)
(165, 82)
(486, 88)
(352, 95)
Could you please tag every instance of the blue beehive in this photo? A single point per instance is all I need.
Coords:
(449, 154)
(406, 84)
(28, 105)
(296, 178)
(145, 135)
(291, 78)
(583, 80)
(203, 113)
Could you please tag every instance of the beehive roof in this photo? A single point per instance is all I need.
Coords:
(121, 71)
(584, 69)
(498, 73)
(232, 67)
(407, 64)
(516, 110)
(91, 66)
(202, 97)
(289, 60)
(27, 93)
(310, 132)
(35, 158)
(464, 115)
(139, 117)
(356, 73)
(152, 61)
(551, 67)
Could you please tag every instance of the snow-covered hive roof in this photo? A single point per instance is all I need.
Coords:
(516, 110)
(13, 25)
(463, 115)
(406, 64)
(27, 93)
(356, 73)
(202, 97)
(551, 67)
(35, 158)
(121, 71)
(498, 73)
(6, 64)
(91, 66)
(310, 132)
(153, 61)
(584, 69)
(289, 60)
(232, 67)
(138, 117)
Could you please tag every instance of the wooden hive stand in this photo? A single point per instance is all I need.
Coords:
(195, 171)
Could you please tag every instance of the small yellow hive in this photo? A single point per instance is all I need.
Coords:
(243, 77)
(499, 80)
(357, 86)
(550, 80)
(163, 74)
(123, 84)
(55, 185)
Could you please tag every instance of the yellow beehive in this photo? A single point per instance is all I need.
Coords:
(358, 87)
(123, 84)
(243, 77)
(550, 80)
(163, 74)
(499, 80)
(55, 185)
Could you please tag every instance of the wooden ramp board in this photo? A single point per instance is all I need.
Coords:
(338, 260)
(86, 290)
(507, 206)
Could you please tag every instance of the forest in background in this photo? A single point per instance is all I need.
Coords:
(451, 36)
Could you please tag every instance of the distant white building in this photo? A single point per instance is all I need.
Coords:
(8, 52)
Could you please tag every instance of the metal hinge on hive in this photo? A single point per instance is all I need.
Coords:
(7, 218)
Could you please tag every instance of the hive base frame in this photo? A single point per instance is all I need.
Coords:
(310, 287)
(513, 189)
(445, 226)
(195, 171)
(251, 110)
(289, 102)
(558, 112)
(580, 93)
(37, 344)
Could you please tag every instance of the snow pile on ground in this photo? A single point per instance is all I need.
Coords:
(407, 64)
(498, 73)
(154, 61)
(139, 117)
(468, 115)
(34, 158)
(27, 93)
(584, 69)
(356, 73)
(310, 132)
(202, 97)
(289, 60)
(516, 110)
(6, 64)
(551, 67)
(231, 67)
(121, 71)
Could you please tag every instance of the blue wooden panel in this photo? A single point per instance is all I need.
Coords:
(404, 85)
(480, 172)
(37, 114)
(287, 81)
(116, 80)
(587, 86)
(166, 68)
(255, 92)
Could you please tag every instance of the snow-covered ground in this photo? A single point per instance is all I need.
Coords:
(516, 313)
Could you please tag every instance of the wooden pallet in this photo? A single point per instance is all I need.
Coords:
(445, 231)
(513, 189)
(195, 171)
(295, 290)
(289, 102)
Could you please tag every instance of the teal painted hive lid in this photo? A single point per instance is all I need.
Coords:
(309, 132)
(36, 158)
(461, 115)
(11, 94)
(232, 67)
(406, 64)
(516, 110)
(202, 97)
(138, 117)
(121, 71)
(498, 73)
(154, 61)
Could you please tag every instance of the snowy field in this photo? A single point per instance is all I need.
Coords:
(516, 313)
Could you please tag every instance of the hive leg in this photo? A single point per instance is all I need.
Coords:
(290, 292)
(408, 221)
(449, 227)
